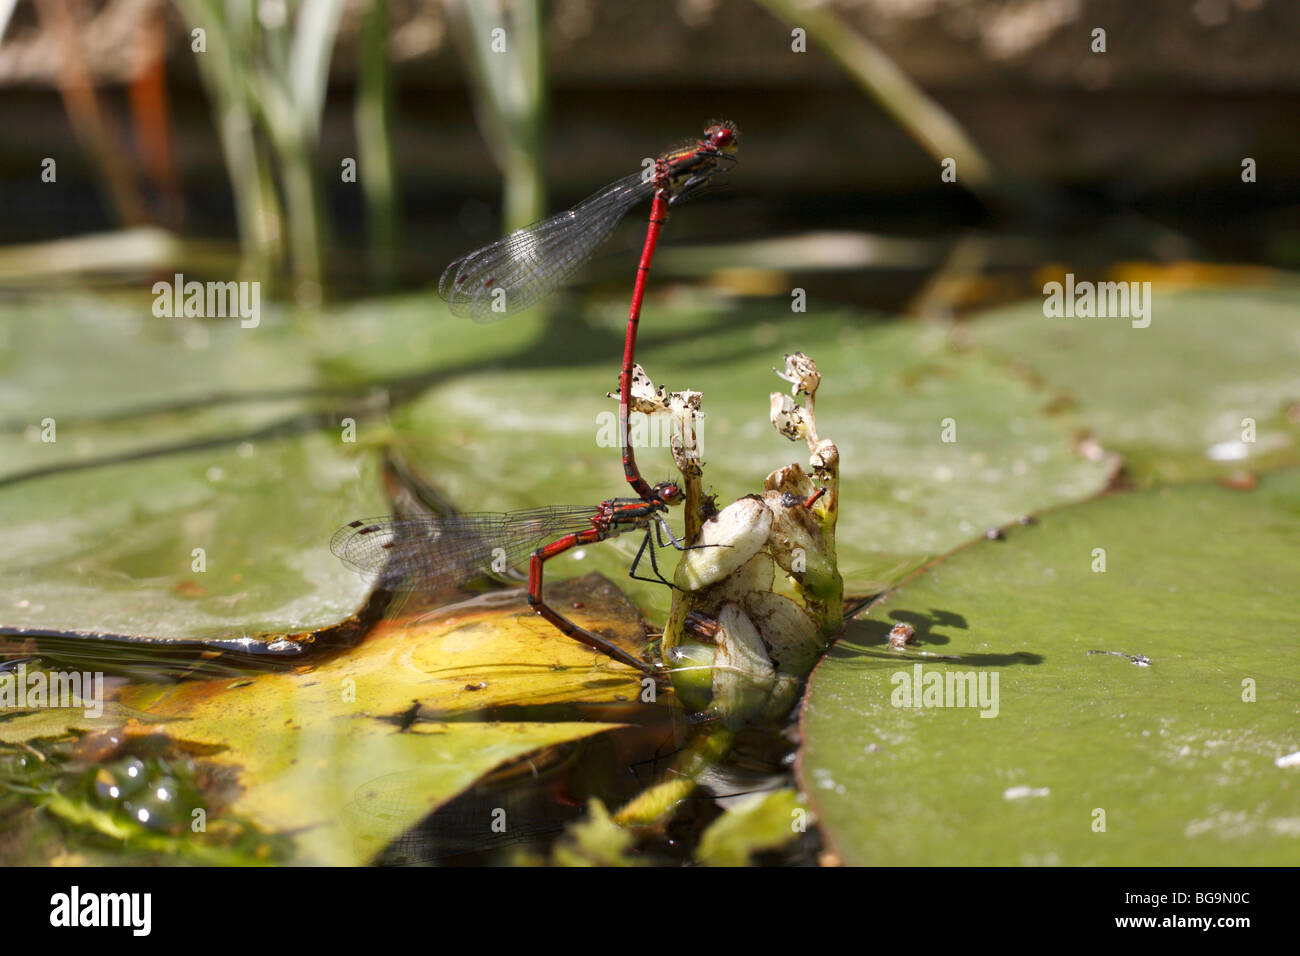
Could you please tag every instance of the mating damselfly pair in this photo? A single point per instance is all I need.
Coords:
(432, 552)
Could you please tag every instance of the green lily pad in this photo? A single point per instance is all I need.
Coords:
(1172, 397)
(103, 378)
(116, 381)
(130, 440)
(111, 550)
(1174, 734)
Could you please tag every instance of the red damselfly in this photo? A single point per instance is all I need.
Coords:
(431, 553)
(515, 272)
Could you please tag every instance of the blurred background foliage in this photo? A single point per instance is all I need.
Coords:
(1064, 155)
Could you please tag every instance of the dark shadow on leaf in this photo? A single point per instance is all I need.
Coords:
(863, 637)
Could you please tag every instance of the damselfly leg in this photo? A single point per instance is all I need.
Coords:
(648, 546)
(659, 530)
(566, 627)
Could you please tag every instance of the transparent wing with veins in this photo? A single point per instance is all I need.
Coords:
(432, 553)
(532, 262)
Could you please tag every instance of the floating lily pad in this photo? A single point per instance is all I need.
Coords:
(116, 381)
(1173, 734)
(131, 440)
(1173, 397)
(111, 550)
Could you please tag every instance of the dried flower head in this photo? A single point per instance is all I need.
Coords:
(801, 372)
(787, 417)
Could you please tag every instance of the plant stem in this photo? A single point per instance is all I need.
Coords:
(915, 110)
(374, 144)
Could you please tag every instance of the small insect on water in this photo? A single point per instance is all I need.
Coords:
(901, 635)
(430, 553)
(1141, 660)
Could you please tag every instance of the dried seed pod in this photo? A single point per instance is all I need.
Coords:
(684, 410)
(825, 457)
(795, 538)
(790, 634)
(742, 673)
(727, 540)
(756, 574)
(787, 417)
(644, 396)
(801, 372)
(791, 480)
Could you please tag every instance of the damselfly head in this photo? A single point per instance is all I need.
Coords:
(670, 493)
(723, 136)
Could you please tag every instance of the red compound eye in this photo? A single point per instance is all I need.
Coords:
(669, 493)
